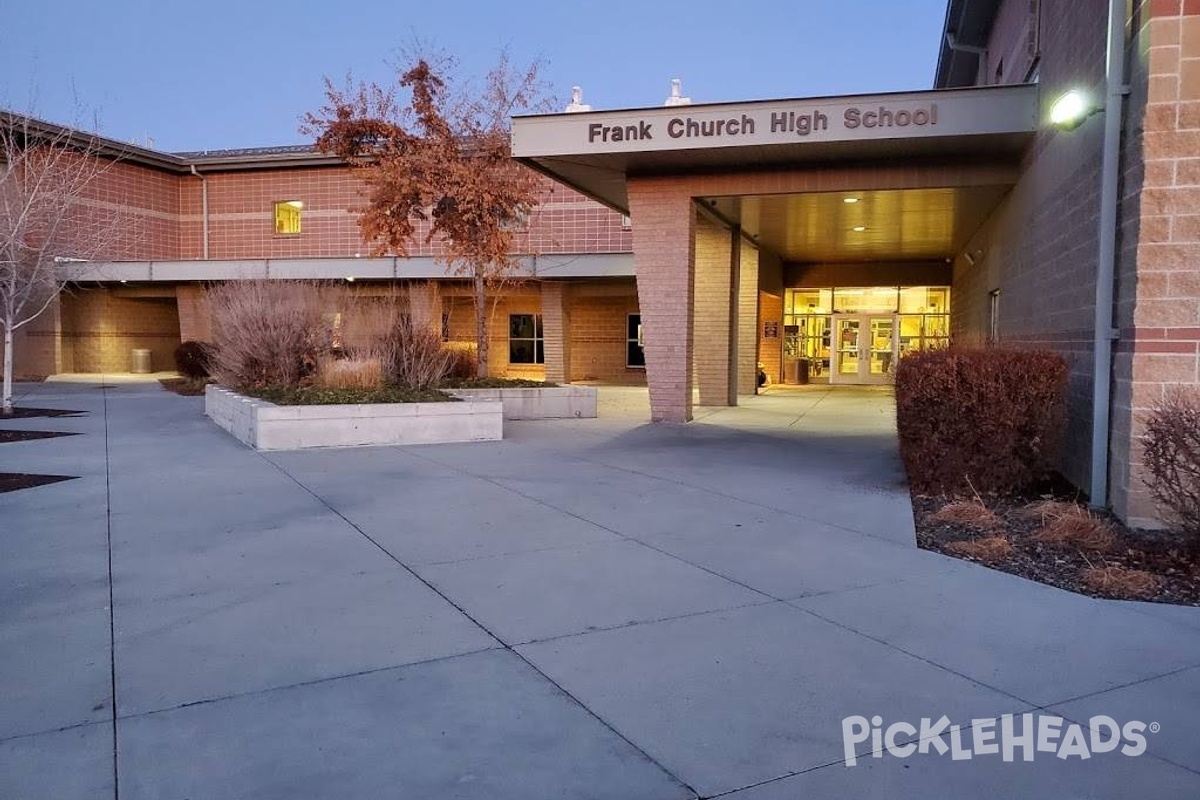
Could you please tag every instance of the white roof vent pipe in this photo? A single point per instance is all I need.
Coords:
(576, 105)
(676, 98)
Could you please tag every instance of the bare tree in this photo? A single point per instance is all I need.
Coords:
(47, 177)
(442, 157)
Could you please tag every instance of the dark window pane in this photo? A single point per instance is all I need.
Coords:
(538, 319)
(521, 351)
(634, 355)
(520, 326)
(541, 352)
(632, 326)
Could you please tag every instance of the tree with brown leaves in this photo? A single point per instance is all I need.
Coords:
(442, 157)
(47, 174)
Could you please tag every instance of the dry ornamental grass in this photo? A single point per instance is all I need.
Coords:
(1120, 581)
(972, 513)
(991, 548)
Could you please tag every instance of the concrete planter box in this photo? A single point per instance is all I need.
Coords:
(266, 426)
(552, 402)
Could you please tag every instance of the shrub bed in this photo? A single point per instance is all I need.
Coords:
(325, 396)
(984, 420)
(194, 359)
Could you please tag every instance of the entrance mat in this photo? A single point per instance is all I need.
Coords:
(12, 481)
(24, 412)
(25, 436)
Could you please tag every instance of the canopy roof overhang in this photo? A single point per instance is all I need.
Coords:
(596, 152)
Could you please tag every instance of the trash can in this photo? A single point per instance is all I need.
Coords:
(802, 370)
(791, 372)
(139, 362)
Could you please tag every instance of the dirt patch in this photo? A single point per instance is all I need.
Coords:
(25, 436)
(188, 387)
(1062, 543)
(25, 412)
(12, 481)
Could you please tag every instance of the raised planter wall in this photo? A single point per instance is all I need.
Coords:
(551, 402)
(266, 426)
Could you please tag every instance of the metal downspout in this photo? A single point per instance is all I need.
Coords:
(1106, 264)
(203, 209)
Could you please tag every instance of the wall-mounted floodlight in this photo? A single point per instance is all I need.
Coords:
(1070, 110)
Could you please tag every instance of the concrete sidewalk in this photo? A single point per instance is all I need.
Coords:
(588, 609)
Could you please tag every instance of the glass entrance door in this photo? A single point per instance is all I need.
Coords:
(865, 348)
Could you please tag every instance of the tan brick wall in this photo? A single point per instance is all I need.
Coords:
(598, 313)
(1159, 301)
(556, 317)
(100, 328)
(195, 315)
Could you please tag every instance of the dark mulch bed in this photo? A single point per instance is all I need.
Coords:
(497, 383)
(25, 436)
(1166, 556)
(24, 412)
(321, 396)
(188, 387)
(12, 481)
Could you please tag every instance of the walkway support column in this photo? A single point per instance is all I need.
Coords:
(747, 318)
(714, 319)
(664, 259)
(556, 330)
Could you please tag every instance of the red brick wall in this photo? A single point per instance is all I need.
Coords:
(241, 218)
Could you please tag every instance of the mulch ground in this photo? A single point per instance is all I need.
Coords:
(25, 436)
(25, 412)
(188, 387)
(12, 481)
(1173, 567)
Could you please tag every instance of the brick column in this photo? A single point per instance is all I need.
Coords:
(195, 317)
(747, 327)
(556, 328)
(1159, 293)
(663, 249)
(713, 320)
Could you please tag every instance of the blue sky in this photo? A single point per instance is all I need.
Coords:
(240, 73)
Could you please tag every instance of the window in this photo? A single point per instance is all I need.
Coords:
(287, 217)
(626, 223)
(525, 343)
(635, 353)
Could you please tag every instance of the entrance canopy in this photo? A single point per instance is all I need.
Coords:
(594, 152)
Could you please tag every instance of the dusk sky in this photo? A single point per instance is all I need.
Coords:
(230, 73)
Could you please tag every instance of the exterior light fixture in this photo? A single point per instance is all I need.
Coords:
(849, 199)
(349, 279)
(859, 228)
(1070, 110)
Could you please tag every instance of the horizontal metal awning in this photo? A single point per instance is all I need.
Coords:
(594, 152)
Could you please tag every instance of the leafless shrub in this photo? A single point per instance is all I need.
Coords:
(1078, 528)
(1120, 581)
(1171, 455)
(971, 513)
(463, 362)
(270, 333)
(349, 373)
(990, 549)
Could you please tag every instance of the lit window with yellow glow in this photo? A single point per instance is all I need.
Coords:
(287, 217)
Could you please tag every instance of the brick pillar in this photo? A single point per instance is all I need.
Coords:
(1159, 294)
(747, 327)
(663, 249)
(195, 316)
(556, 328)
(713, 316)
